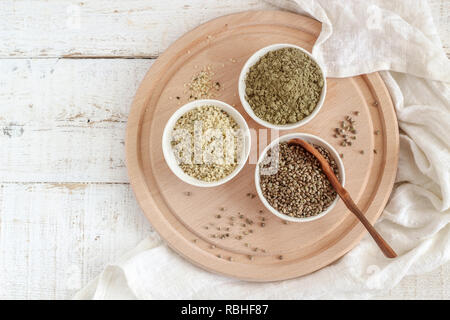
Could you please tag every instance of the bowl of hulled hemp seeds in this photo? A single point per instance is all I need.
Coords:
(290, 181)
(282, 86)
(206, 143)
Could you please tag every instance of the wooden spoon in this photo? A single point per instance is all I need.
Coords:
(345, 196)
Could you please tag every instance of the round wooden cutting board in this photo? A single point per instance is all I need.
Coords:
(188, 217)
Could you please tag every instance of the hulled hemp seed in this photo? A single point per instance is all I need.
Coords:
(207, 143)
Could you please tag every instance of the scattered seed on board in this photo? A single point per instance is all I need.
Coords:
(285, 222)
(280, 257)
(222, 209)
(187, 193)
(362, 151)
(218, 216)
(194, 241)
(375, 103)
(263, 224)
(341, 155)
(230, 258)
(219, 256)
(246, 244)
(377, 132)
(250, 257)
(375, 151)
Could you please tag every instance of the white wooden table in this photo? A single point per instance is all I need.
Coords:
(68, 72)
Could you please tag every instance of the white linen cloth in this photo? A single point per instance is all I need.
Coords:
(358, 36)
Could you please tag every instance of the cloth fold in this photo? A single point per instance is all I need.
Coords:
(358, 36)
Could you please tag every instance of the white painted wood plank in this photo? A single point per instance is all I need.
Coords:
(132, 28)
(62, 91)
(65, 120)
(54, 238)
(115, 28)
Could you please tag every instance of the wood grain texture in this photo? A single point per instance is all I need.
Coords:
(56, 236)
(132, 28)
(39, 30)
(64, 120)
(115, 28)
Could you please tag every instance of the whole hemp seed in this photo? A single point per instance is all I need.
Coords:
(298, 187)
(284, 86)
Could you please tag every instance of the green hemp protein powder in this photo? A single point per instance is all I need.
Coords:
(284, 86)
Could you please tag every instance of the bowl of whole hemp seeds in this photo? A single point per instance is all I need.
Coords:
(206, 142)
(290, 181)
(282, 86)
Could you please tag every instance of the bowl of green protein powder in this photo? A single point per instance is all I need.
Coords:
(282, 86)
(206, 143)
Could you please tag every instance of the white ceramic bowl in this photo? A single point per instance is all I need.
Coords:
(310, 139)
(251, 61)
(169, 155)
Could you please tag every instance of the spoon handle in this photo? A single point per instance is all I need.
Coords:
(345, 196)
(384, 246)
